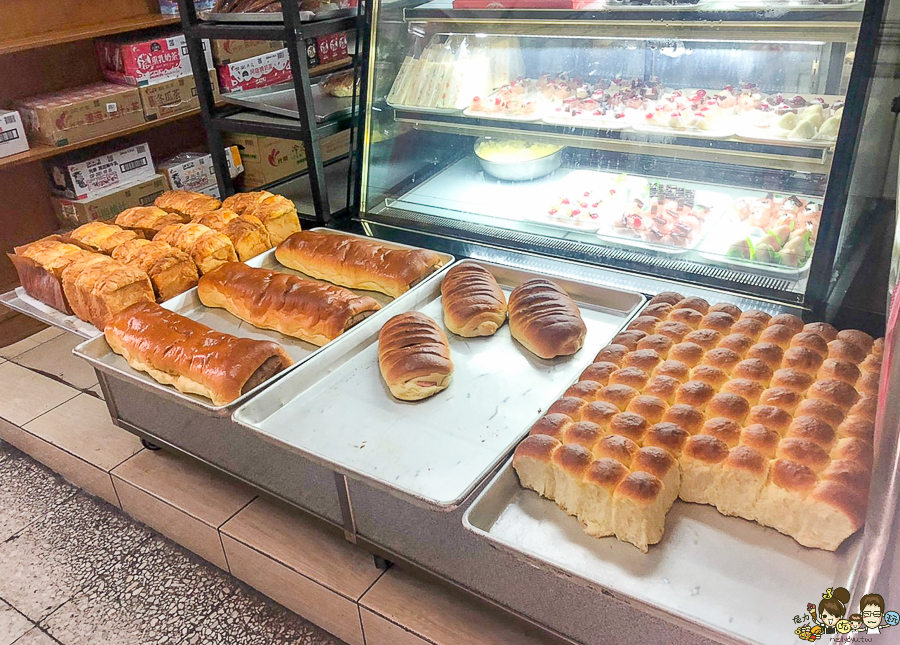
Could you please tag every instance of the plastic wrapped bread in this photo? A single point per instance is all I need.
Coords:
(765, 418)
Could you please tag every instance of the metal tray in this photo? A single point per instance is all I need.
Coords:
(305, 16)
(281, 100)
(98, 353)
(18, 300)
(424, 110)
(720, 574)
(431, 452)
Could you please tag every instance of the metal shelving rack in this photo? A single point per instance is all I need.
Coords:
(217, 120)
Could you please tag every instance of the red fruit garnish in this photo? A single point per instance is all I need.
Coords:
(576, 211)
(595, 215)
(566, 200)
(638, 222)
(587, 193)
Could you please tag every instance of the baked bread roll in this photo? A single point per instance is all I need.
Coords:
(98, 287)
(191, 357)
(414, 356)
(339, 85)
(40, 266)
(148, 220)
(357, 263)
(186, 203)
(473, 302)
(171, 271)
(545, 319)
(308, 310)
(246, 232)
(102, 237)
(208, 249)
(277, 213)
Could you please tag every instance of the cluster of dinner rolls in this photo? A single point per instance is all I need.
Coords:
(763, 417)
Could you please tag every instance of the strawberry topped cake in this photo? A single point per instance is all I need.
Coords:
(667, 215)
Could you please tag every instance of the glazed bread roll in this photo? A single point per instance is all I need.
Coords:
(355, 262)
(191, 357)
(186, 203)
(208, 249)
(102, 237)
(40, 266)
(246, 232)
(414, 356)
(171, 271)
(474, 304)
(277, 213)
(98, 287)
(545, 319)
(308, 310)
(148, 220)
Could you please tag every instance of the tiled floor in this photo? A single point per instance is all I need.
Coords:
(77, 570)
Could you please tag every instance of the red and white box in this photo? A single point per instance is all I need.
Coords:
(12, 134)
(259, 71)
(146, 60)
(331, 47)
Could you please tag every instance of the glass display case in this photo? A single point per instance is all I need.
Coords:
(708, 142)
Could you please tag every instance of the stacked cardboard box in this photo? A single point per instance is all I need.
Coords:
(12, 134)
(267, 159)
(194, 171)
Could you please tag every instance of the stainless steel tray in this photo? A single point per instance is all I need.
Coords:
(18, 300)
(281, 100)
(98, 353)
(337, 411)
(721, 574)
(305, 16)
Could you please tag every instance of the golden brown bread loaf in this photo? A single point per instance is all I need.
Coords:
(473, 302)
(171, 271)
(277, 213)
(414, 356)
(776, 426)
(191, 357)
(308, 310)
(148, 220)
(355, 262)
(101, 237)
(40, 266)
(545, 319)
(208, 249)
(186, 203)
(98, 287)
(246, 232)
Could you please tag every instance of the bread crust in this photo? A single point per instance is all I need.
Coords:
(545, 320)
(473, 302)
(414, 356)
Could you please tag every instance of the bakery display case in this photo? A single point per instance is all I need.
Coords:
(706, 142)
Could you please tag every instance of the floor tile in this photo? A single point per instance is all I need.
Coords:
(246, 618)
(27, 395)
(36, 637)
(82, 427)
(380, 631)
(305, 545)
(55, 357)
(74, 469)
(443, 614)
(10, 351)
(330, 611)
(12, 624)
(190, 486)
(54, 557)
(155, 594)
(176, 525)
(27, 492)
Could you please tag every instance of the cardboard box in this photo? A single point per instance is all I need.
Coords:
(82, 113)
(331, 47)
(82, 176)
(256, 72)
(226, 51)
(267, 159)
(173, 97)
(12, 134)
(170, 7)
(146, 59)
(81, 211)
(195, 171)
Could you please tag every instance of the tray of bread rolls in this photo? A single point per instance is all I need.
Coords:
(763, 423)
(427, 405)
(283, 311)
